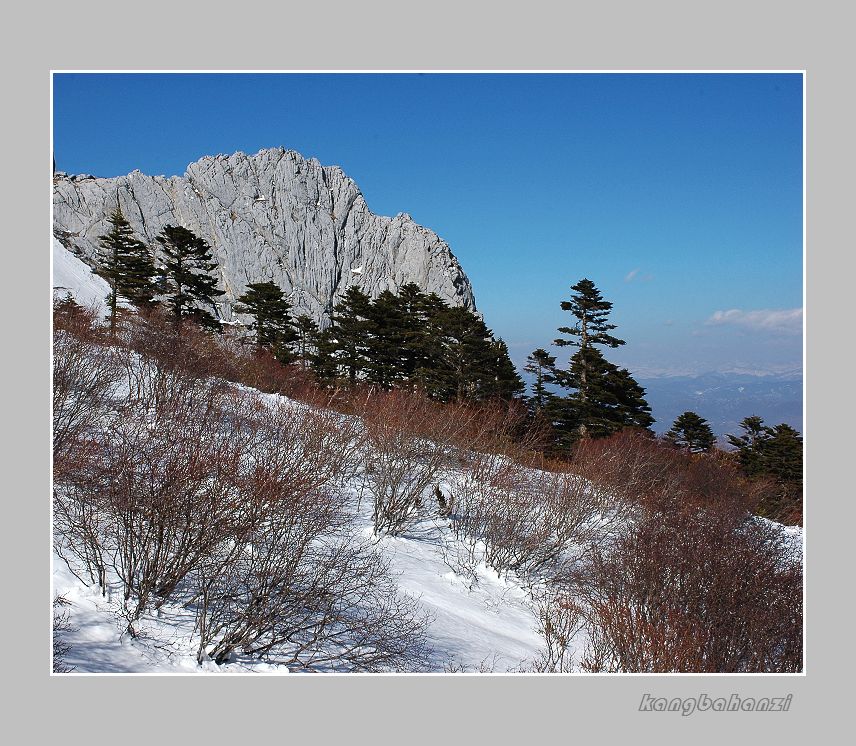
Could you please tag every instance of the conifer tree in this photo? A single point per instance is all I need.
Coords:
(631, 409)
(542, 365)
(385, 336)
(691, 432)
(126, 265)
(416, 313)
(775, 452)
(273, 325)
(502, 381)
(591, 311)
(306, 343)
(604, 398)
(347, 333)
(750, 445)
(323, 362)
(187, 280)
(783, 454)
(465, 354)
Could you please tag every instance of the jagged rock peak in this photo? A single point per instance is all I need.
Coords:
(273, 216)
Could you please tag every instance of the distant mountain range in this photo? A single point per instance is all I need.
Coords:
(725, 398)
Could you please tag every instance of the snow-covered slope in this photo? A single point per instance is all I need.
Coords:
(481, 624)
(73, 277)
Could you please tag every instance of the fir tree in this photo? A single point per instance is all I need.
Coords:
(591, 311)
(691, 432)
(416, 313)
(465, 354)
(774, 453)
(306, 344)
(750, 444)
(126, 265)
(631, 409)
(604, 398)
(273, 325)
(783, 454)
(187, 280)
(346, 340)
(385, 335)
(502, 381)
(323, 362)
(542, 365)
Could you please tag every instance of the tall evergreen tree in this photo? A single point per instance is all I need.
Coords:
(306, 343)
(416, 313)
(591, 311)
(187, 280)
(783, 454)
(542, 365)
(465, 354)
(775, 453)
(604, 398)
(631, 409)
(272, 312)
(347, 335)
(502, 381)
(127, 266)
(385, 337)
(691, 432)
(750, 445)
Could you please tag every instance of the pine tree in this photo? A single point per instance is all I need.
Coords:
(604, 398)
(542, 365)
(346, 336)
(691, 432)
(428, 347)
(783, 454)
(631, 409)
(306, 344)
(273, 325)
(591, 311)
(323, 362)
(187, 280)
(465, 355)
(385, 335)
(502, 381)
(775, 453)
(417, 310)
(126, 265)
(750, 445)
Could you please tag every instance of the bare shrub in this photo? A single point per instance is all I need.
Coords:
(295, 584)
(60, 628)
(560, 620)
(84, 380)
(632, 466)
(529, 521)
(693, 591)
(402, 461)
(308, 595)
(154, 334)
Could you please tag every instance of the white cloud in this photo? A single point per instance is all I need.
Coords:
(633, 274)
(787, 320)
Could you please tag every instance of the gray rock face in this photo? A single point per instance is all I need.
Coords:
(274, 216)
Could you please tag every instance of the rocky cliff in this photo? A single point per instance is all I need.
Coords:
(271, 216)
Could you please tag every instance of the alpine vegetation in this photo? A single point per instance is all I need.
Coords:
(245, 480)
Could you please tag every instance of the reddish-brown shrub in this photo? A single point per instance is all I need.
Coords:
(693, 590)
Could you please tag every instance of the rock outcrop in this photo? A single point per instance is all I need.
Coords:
(274, 216)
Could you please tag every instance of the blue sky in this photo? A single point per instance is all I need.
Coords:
(679, 195)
